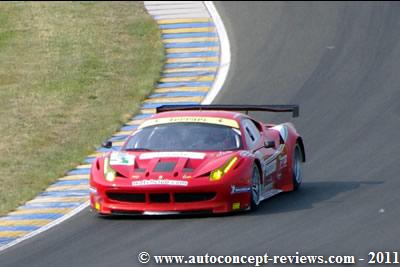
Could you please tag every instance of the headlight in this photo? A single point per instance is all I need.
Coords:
(109, 173)
(217, 174)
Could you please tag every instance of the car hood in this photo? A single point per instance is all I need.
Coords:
(176, 165)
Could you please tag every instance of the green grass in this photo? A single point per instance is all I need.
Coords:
(71, 73)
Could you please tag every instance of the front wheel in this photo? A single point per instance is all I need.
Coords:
(297, 167)
(255, 188)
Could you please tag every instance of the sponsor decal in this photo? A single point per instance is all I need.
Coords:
(283, 161)
(270, 168)
(160, 182)
(210, 120)
(237, 190)
(190, 155)
(118, 158)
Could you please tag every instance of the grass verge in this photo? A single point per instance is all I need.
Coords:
(70, 74)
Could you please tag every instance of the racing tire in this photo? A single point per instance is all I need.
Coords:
(255, 192)
(297, 167)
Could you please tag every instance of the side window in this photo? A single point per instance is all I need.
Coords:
(251, 133)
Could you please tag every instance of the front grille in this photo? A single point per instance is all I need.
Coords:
(194, 197)
(159, 198)
(127, 197)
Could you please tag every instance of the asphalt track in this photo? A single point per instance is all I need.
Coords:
(340, 62)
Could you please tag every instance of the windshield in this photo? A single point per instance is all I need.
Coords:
(185, 137)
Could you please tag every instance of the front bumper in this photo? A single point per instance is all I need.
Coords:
(199, 196)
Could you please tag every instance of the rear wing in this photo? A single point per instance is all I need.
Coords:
(294, 109)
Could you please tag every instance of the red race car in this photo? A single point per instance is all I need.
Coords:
(199, 158)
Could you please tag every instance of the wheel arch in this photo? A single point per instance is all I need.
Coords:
(301, 144)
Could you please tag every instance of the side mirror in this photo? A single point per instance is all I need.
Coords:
(269, 144)
(107, 144)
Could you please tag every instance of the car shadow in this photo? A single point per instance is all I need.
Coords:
(309, 194)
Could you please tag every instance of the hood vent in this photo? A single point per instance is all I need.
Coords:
(164, 167)
(140, 170)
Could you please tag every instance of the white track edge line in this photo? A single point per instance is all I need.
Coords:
(47, 226)
(225, 54)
